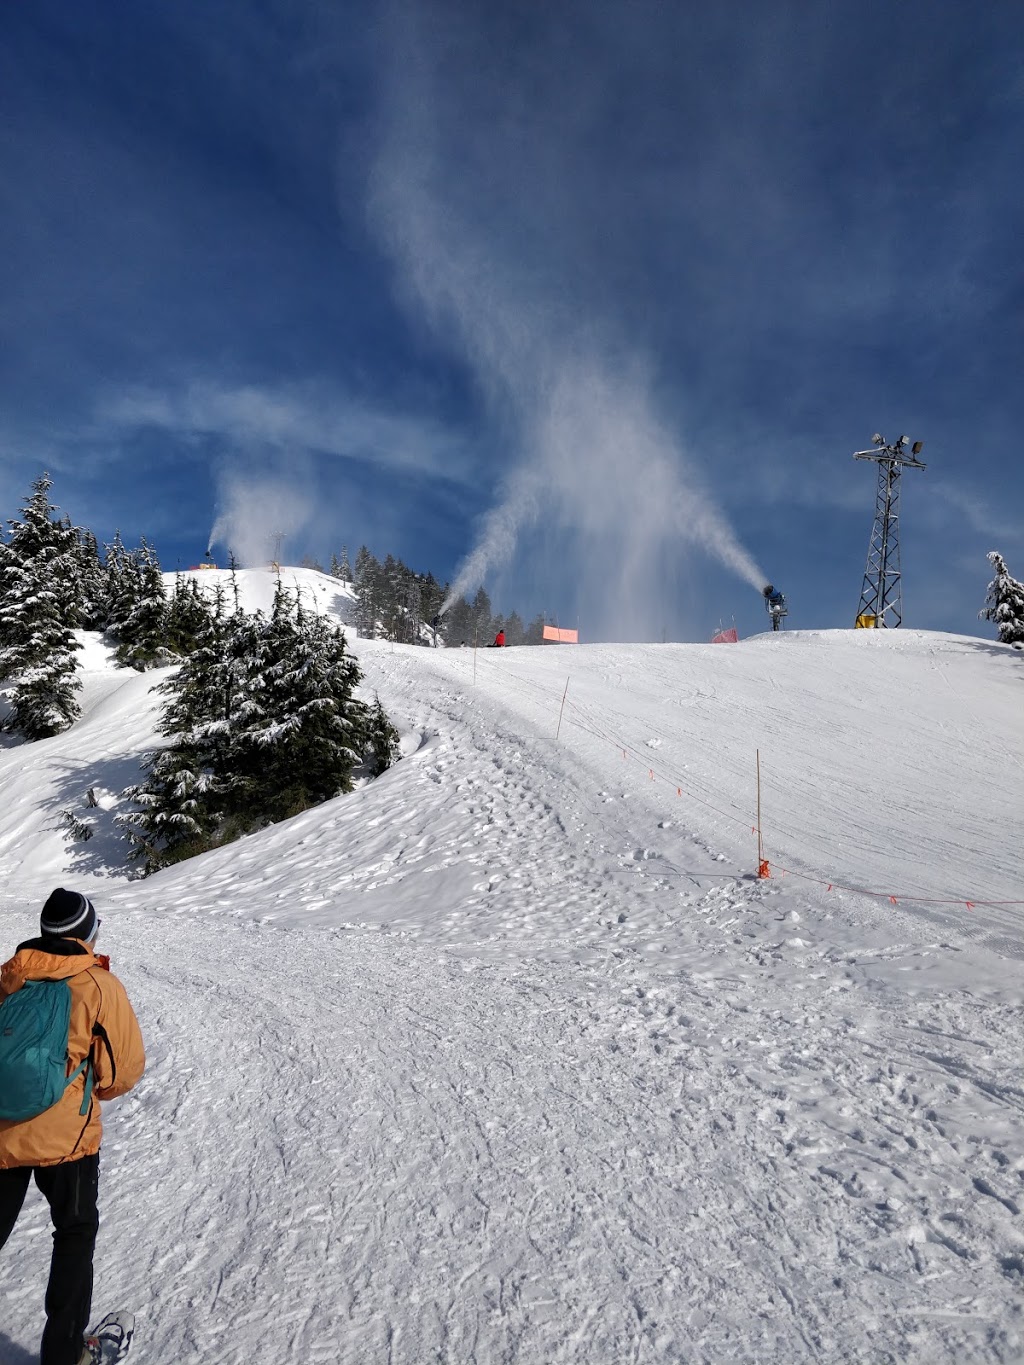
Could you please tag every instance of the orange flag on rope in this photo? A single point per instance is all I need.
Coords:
(563, 637)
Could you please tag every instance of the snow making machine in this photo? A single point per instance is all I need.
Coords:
(775, 605)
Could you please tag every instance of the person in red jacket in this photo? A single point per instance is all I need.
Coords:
(60, 1147)
(499, 639)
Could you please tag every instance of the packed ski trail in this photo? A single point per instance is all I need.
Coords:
(508, 1057)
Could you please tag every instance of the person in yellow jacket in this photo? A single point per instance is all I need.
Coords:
(60, 1147)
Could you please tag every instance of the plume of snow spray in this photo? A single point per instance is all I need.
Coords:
(255, 517)
(602, 463)
(594, 459)
(498, 536)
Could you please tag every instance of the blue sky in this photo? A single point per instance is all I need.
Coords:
(598, 296)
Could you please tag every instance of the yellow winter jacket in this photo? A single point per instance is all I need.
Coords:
(103, 1022)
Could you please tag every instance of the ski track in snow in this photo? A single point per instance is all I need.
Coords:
(508, 1058)
(390, 1155)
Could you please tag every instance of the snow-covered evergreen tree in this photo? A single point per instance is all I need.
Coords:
(381, 743)
(43, 701)
(1005, 603)
(213, 705)
(181, 800)
(32, 563)
(414, 613)
(200, 690)
(188, 613)
(263, 722)
(38, 608)
(176, 817)
(340, 568)
(142, 627)
(367, 584)
(92, 578)
(68, 568)
(304, 729)
(392, 605)
(122, 586)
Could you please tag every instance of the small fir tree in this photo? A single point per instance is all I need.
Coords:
(389, 598)
(39, 605)
(43, 701)
(263, 722)
(142, 631)
(188, 613)
(304, 731)
(122, 586)
(35, 567)
(368, 586)
(382, 746)
(93, 580)
(181, 799)
(68, 570)
(1005, 603)
(177, 815)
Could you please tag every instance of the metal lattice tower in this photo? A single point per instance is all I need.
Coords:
(881, 597)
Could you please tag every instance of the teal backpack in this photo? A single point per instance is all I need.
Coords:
(34, 1024)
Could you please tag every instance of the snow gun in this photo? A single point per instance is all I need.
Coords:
(775, 604)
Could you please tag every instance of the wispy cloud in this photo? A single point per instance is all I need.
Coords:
(948, 502)
(308, 419)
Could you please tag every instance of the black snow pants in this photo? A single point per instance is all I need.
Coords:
(70, 1189)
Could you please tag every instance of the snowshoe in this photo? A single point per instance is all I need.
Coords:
(109, 1340)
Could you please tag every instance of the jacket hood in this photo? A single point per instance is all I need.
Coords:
(46, 959)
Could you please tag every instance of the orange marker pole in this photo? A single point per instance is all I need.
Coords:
(561, 709)
(760, 847)
(762, 863)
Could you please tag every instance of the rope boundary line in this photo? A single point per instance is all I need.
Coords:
(591, 726)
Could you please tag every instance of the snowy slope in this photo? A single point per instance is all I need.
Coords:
(508, 1056)
(256, 589)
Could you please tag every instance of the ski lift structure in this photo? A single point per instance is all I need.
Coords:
(775, 605)
(881, 594)
(275, 564)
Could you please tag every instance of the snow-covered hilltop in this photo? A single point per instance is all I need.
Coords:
(508, 1056)
(256, 589)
